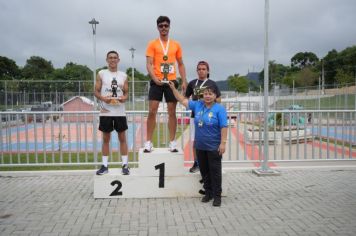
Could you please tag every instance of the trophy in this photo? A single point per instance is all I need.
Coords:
(198, 93)
(165, 72)
(114, 97)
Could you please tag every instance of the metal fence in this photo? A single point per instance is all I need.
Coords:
(17, 95)
(72, 138)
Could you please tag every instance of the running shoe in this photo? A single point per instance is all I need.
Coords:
(103, 170)
(148, 147)
(125, 170)
(173, 146)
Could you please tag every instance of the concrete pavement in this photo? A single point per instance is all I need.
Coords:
(313, 201)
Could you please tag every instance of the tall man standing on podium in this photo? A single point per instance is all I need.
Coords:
(112, 89)
(162, 54)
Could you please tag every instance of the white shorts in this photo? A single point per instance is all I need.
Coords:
(192, 129)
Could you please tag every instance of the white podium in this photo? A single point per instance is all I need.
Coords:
(160, 174)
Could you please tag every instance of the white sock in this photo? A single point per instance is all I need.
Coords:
(124, 160)
(105, 161)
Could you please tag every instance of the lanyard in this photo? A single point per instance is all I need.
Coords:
(210, 114)
(196, 83)
(164, 49)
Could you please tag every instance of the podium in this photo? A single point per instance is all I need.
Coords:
(160, 174)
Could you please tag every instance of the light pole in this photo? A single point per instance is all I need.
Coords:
(293, 93)
(132, 49)
(265, 170)
(93, 23)
(319, 88)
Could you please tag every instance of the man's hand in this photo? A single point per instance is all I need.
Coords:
(106, 99)
(157, 81)
(122, 99)
(184, 86)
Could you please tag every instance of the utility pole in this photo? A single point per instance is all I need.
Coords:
(265, 170)
(93, 24)
(322, 77)
(132, 49)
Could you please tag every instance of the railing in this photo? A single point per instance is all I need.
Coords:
(73, 138)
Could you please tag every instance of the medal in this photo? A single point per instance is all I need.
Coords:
(164, 49)
(200, 123)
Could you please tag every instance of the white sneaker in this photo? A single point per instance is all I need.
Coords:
(173, 146)
(148, 147)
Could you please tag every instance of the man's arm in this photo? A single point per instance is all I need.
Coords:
(181, 69)
(150, 70)
(97, 90)
(125, 91)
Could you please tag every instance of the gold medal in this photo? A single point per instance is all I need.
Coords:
(165, 58)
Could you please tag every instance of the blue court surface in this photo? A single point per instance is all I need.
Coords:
(340, 133)
(54, 144)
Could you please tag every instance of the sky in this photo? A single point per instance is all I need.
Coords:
(229, 34)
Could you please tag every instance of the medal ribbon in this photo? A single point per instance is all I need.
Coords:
(196, 83)
(165, 50)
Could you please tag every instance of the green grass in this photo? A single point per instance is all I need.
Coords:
(53, 160)
(328, 103)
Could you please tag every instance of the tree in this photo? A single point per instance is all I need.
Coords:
(238, 83)
(343, 77)
(304, 59)
(306, 77)
(334, 61)
(37, 68)
(73, 72)
(8, 69)
(141, 81)
(277, 72)
(330, 62)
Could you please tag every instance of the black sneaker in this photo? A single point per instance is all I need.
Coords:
(217, 201)
(194, 168)
(125, 170)
(206, 198)
(103, 170)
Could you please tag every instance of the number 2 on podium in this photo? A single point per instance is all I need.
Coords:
(161, 168)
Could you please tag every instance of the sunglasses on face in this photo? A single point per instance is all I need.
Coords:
(163, 26)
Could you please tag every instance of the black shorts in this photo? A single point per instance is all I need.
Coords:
(156, 92)
(109, 123)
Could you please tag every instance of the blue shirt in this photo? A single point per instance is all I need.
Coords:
(208, 124)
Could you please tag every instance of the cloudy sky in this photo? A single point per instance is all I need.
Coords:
(229, 34)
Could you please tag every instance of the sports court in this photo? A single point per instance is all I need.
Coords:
(55, 137)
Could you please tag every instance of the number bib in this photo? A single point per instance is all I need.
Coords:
(167, 68)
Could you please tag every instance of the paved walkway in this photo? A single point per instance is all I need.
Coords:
(299, 202)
